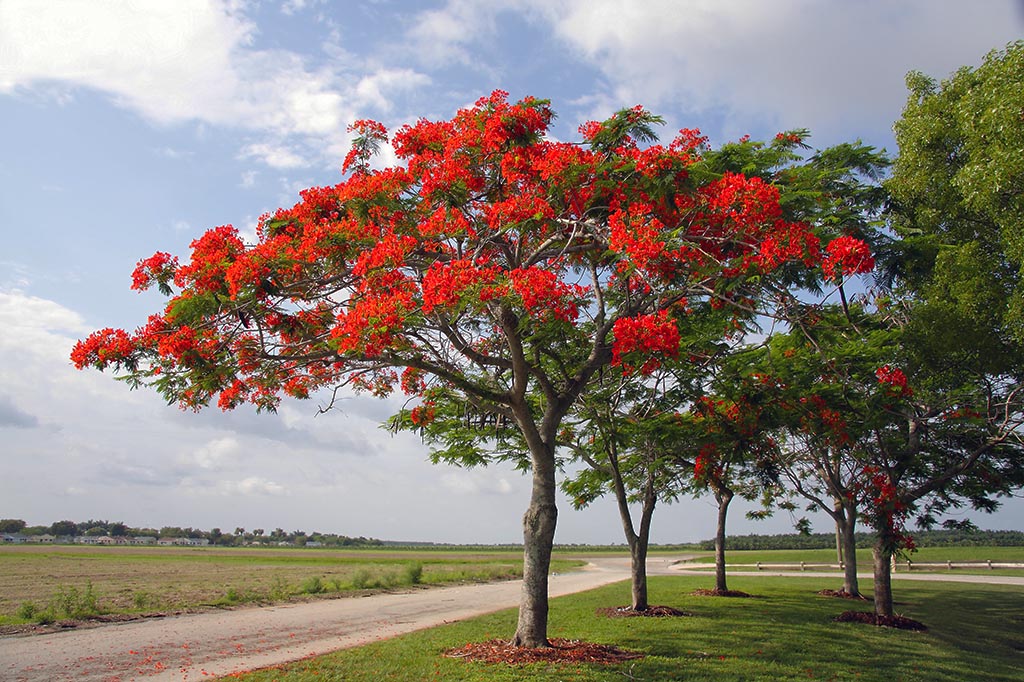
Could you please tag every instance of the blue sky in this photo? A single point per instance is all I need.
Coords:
(127, 128)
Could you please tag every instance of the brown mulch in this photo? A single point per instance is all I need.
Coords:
(842, 594)
(722, 593)
(897, 622)
(649, 612)
(560, 651)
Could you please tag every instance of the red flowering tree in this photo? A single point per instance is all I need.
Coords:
(737, 450)
(496, 270)
(887, 430)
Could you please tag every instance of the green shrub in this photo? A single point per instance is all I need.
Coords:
(70, 603)
(279, 590)
(28, 610)
(414, 573)
(313, 585)
(361, 579)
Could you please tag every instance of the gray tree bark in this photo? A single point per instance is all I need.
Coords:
(723, 496)
(882, 556)
(538, 538)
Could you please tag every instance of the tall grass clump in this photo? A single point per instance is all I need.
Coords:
(69, 602)
(414, 573)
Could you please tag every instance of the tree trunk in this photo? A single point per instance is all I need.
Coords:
(882, 555)
(847, 526)
(724, 497)
(638, 574)
(638, 540)
(538, 538)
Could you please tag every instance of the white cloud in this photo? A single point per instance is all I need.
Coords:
(248, 179)
(833, 67)
(214, 455)
(192, 61)
(442, 36)
(273, 155)
(373, 90)
(32, 326)
(252, 485)
(796, 61)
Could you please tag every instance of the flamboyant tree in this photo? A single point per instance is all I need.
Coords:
(735, 453)
(496, 269)
(893, 428)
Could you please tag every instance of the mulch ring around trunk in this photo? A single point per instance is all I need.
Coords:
(897, 622)
(722, 593)
(842, 594)
(560, 651)
(649, 612)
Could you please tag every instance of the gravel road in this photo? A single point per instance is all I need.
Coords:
(197, 646)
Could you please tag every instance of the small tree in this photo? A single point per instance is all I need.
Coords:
(892, 429)
(497, 271)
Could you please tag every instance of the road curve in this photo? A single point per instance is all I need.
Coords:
(196, 646)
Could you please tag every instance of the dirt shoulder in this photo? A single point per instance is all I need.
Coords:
(194, 646)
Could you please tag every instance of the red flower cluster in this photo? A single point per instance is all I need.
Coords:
(847, 256)
(422, 415)
(822, 420)
(445, 284)
(212, 254)
(159, 267)
(646, 336)
(102, 348)
(707, 463)
(894, 380)
(888, 514)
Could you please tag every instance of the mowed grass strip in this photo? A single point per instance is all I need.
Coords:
(143, 580)
(785, 633)
(827, 556)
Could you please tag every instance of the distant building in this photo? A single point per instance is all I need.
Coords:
(14, 538)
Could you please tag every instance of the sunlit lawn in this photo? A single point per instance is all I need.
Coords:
(785, 633)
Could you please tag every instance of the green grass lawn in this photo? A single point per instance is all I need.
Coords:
(785, 633)
(925, 554)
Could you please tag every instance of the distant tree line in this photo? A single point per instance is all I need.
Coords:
(216, 536)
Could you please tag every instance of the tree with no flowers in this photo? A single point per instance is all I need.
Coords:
(496, 270)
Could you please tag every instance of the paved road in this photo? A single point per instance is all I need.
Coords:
(196, 646)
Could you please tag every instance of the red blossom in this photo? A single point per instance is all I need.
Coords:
(647, 336)
(894, 380)
(847, 256)
(102, 348)
(159, 267)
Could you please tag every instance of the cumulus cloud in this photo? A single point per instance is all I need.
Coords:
(800, 62)
(214, 455)
(34, 326)
(193, 60)
(251, 485)
(797, 63)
